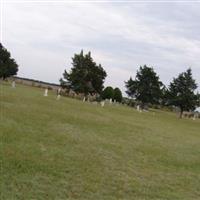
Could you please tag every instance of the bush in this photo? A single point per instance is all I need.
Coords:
(108, 93)
(117, 95)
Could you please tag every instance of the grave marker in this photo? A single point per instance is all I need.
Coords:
(45, 92)
(102, 103)
(13, 84)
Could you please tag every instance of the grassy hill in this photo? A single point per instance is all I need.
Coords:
(68, 149)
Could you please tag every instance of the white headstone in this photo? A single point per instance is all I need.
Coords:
(138, 108)
(83, 99)
(59, 90)
(195, 116)
(13, 84)
(110, 101)
(102, 103)
(46, 92)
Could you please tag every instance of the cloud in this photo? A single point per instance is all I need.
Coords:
(121, 36)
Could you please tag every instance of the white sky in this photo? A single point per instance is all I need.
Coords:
(43, 37)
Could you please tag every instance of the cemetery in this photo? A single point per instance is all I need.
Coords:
(99, 100)
(60, 148)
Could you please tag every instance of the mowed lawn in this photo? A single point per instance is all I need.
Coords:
(68, 149)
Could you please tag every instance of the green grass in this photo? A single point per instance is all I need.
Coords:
(68, 149)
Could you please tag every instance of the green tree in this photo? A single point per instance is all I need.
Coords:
(108, 93)
(146, 88)
(85, 76)
(8, 66)
(198, 99)
(181, 92)
(117, 95)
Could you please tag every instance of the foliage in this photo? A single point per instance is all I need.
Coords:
(8, 66)
(146, 88)
(117, 95)
(198, 99)
(181, 92)
(85, 76)
(164, 96)
(108, 93)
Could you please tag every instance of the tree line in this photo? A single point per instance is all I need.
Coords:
(146, 88)
(87, 77)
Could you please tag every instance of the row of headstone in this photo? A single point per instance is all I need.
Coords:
(102, 103)
(13, 85)
(140, 109)
(110, 101)
(87, 99)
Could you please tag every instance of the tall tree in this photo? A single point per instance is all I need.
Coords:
(182, 92)
(108, 93)
(146, 88)
(117, 95)
(8, 66)
(85, 76)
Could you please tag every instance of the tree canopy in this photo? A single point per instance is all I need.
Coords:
(181, 92)
(107, 93)
(146, 88)
(8, 66)
(117, 95)
(85, 76)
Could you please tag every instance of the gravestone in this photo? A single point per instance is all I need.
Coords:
(196, 115)
(58, 94)
(83, 99)
(59, 90)
(102, 103)
(46, 92)
(13, 84)
(110, 101)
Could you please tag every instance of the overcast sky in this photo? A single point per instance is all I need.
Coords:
(43, 37)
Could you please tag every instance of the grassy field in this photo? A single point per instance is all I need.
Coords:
(68, 149)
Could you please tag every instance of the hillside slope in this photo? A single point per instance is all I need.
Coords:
(68, 149)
